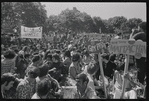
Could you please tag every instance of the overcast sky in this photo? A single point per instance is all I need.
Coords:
(104, 10)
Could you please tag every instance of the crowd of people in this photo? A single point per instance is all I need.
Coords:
(36, 69)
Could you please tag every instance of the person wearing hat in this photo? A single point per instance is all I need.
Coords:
(84, 91)
(75, 67)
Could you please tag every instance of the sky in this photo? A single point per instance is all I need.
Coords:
(104, 10)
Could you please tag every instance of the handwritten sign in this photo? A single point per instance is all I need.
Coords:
(95, 37)
(130, 47)
(34, 32)
(95, 46)
(49, 38)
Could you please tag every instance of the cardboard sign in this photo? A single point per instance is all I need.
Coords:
(95, 37)
(34, 32)
(130, 47)
(95, 46)
(49, 38)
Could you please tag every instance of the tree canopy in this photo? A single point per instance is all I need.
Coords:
(32, 14)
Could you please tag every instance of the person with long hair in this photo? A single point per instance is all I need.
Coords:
(75, 67)
(7, 81)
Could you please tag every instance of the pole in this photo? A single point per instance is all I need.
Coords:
(125, 71)
(102, 74)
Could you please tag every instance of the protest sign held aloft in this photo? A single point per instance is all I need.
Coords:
(130, 47)
(32, 32)
(95, 36)
(95, 46)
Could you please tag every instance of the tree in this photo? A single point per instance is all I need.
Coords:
(117, 21)
(70, 20)
(99, 24)
(7, 16)
(133, 22)
(30, 14)
(125, 28)
(52, 22)
(108, 27)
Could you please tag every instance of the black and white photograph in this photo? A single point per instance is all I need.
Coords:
(73, 50)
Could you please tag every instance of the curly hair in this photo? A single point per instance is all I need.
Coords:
(7, 77)
(43, 87)
(9, 54)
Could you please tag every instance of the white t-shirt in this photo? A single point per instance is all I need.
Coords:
(91, 82)
(35, 96)
(90, 77)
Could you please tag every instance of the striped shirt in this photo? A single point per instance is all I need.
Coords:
(7, 66)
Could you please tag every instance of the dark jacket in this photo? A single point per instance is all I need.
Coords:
(109, 70)
(141, 63)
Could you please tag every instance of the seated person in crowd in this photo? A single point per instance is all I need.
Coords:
(48, 59)
(91, 71)
(118, 81)
(110, 66)
(36, 62)
(44, 90)
(7, 82)
(67, 60)
(21, 65)
(12, 93)
(43, 72)
(59, 67)
(8, 63)
(86, 57)
(85, 91)
(26, 87)
(75, 67)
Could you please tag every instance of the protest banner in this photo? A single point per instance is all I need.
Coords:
(129, 47)
(31, 32)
